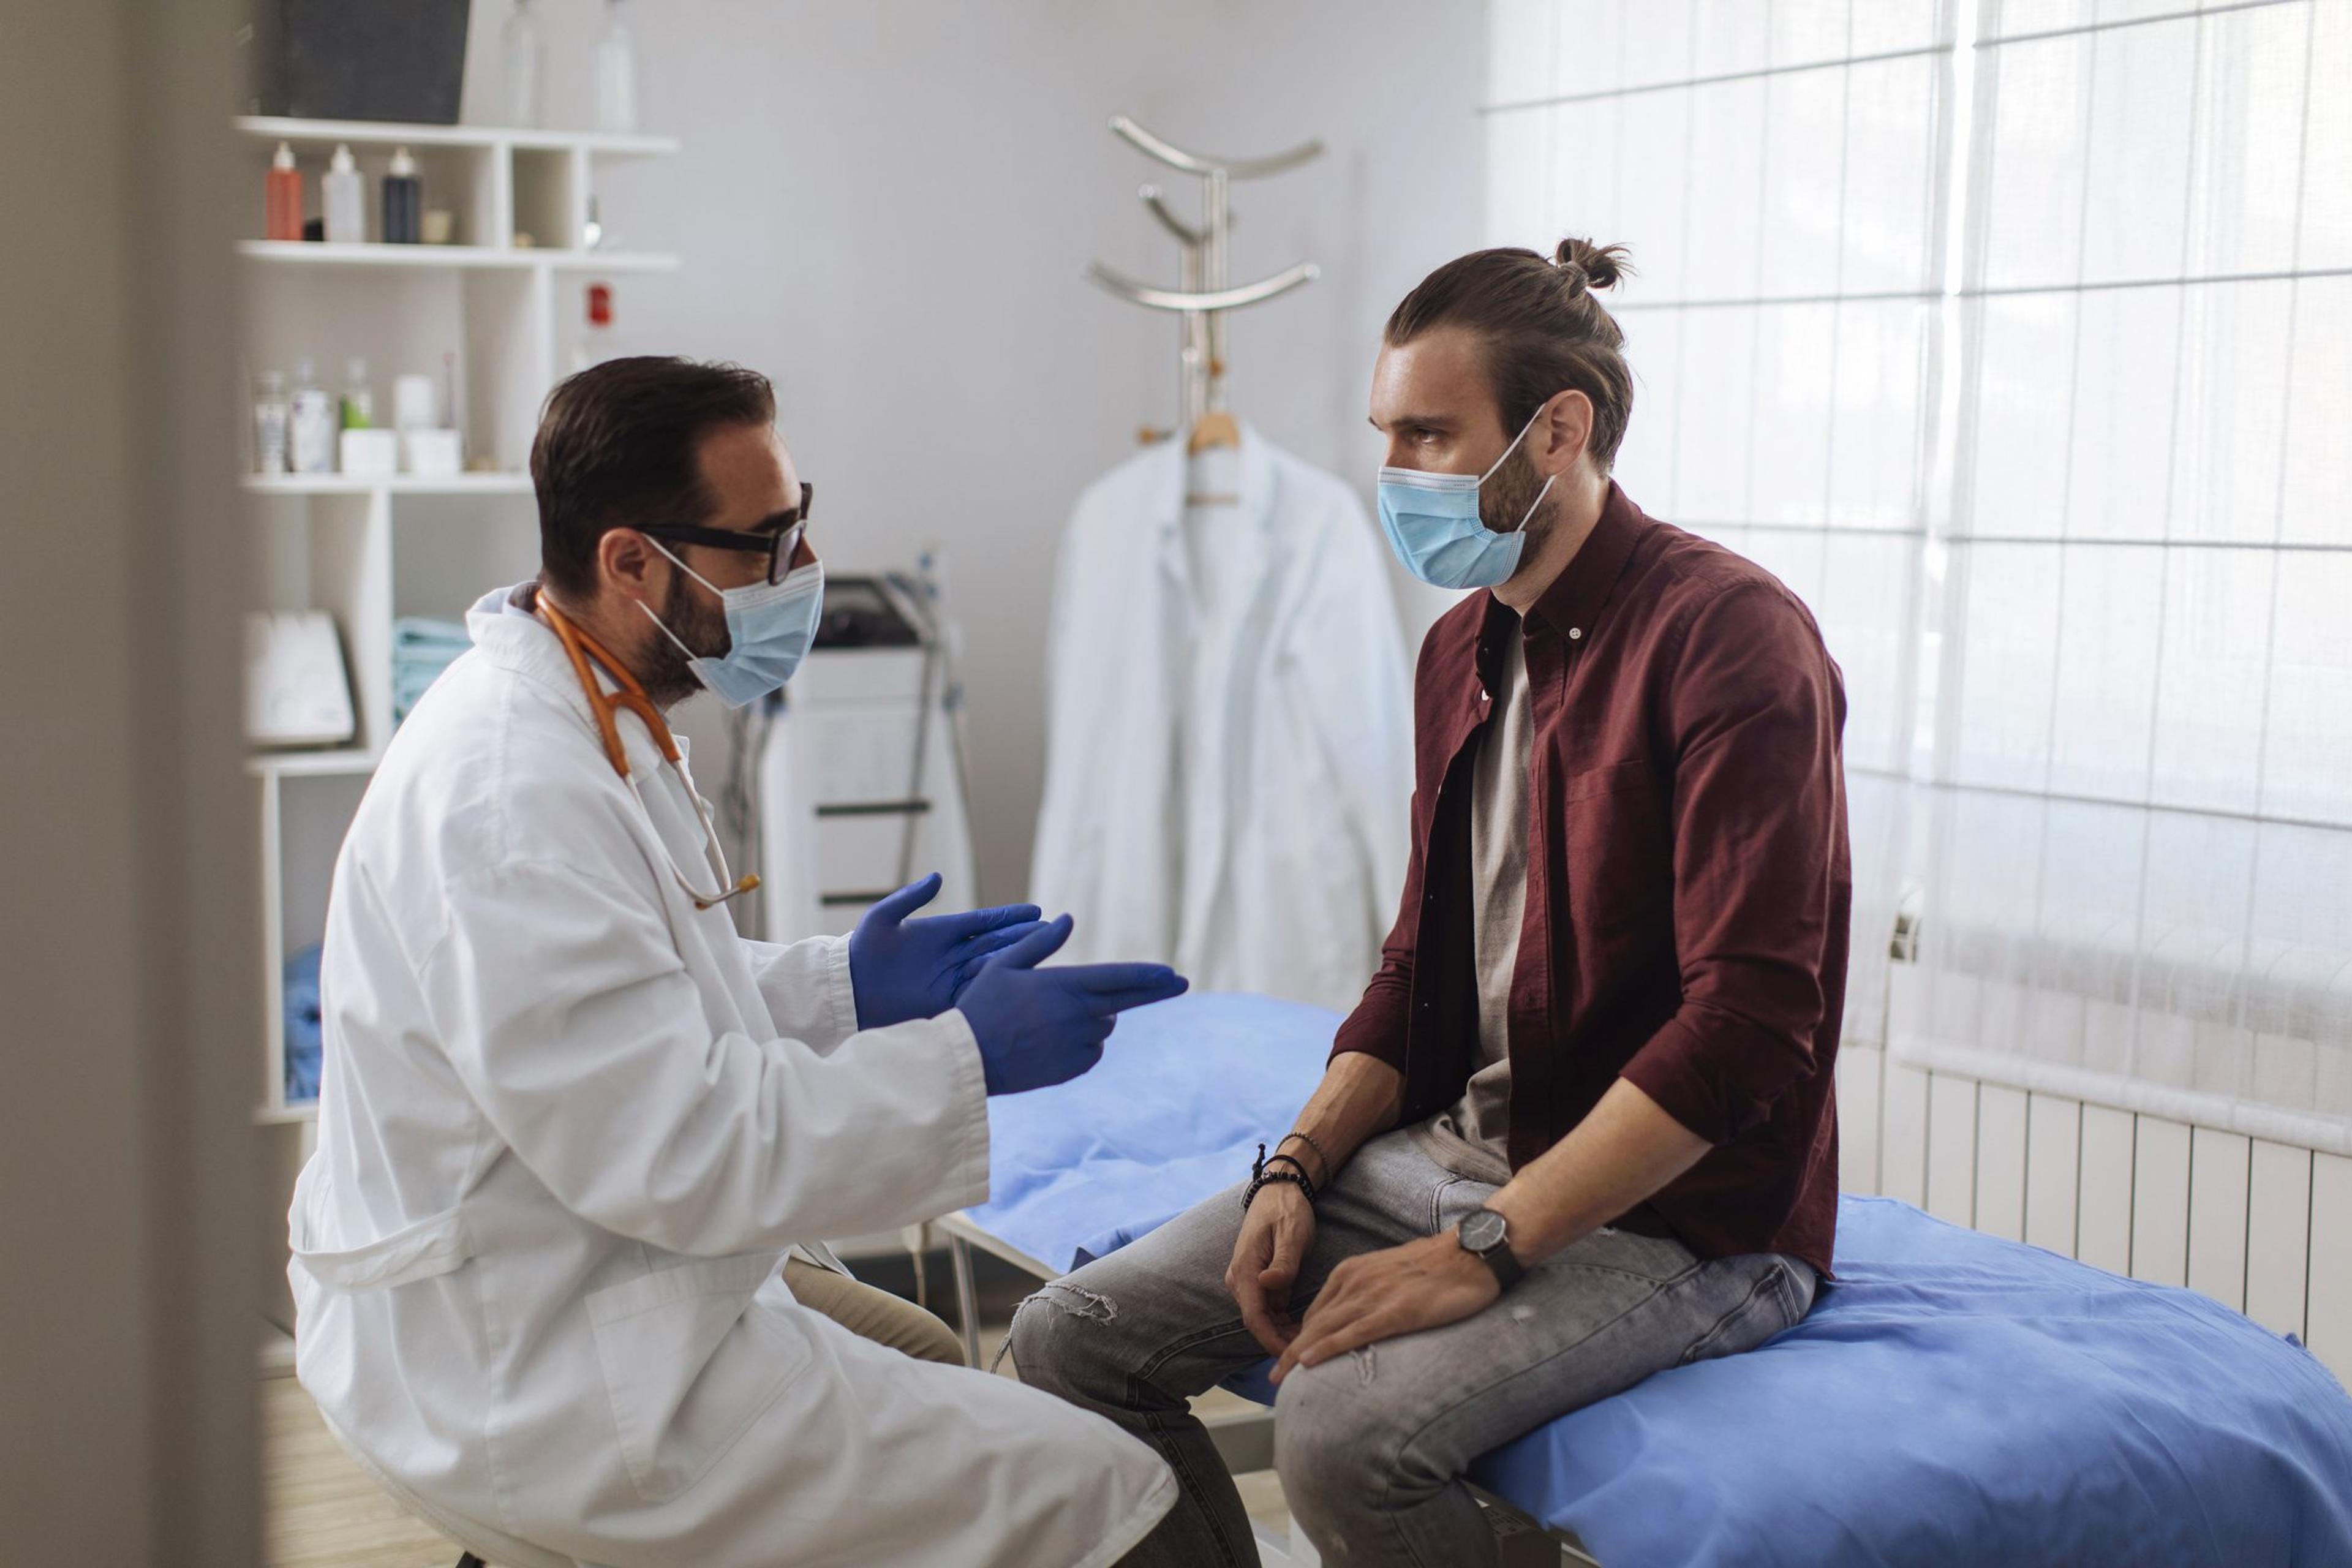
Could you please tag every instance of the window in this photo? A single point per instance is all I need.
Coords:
(2017, 339)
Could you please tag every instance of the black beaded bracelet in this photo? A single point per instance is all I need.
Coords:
(1261, 1176)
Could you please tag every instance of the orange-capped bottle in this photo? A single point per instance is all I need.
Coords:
(285, 196)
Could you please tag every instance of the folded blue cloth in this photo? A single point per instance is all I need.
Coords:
(429, 631)
(303, 1029)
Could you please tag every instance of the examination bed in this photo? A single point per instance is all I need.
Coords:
(1952, 1399)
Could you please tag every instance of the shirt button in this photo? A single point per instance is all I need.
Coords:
(1574, 633)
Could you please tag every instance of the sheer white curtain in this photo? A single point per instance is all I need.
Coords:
(2017, 338)
(1777, 171)
(2137, 857)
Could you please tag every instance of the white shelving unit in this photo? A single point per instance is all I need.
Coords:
(323, 135)
(492, 317)
(511, 258)
(399, 484)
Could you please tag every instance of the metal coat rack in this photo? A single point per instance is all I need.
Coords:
(1203, 296)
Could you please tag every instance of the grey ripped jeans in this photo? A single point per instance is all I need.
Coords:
(1371, 1446)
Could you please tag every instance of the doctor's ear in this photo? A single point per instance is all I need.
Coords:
(626, 558)
(1563, 432)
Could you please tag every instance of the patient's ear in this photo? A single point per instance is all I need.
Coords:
(1563, 433)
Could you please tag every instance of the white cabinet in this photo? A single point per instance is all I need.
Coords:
(494, 320)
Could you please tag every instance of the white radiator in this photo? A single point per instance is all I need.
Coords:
(2263, 1228)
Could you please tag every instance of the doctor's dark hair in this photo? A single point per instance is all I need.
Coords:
(1544, 331)
(617, 448)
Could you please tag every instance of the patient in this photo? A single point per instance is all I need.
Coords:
(1581, 1127)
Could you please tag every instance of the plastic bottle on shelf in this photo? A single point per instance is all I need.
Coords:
(403, 201)
(416, 403)
(314, 421)
(271, 413)
(453, 398)
(595, 345)
(342, 194)
(616, 73)
(519, 42)
(359, 397)
(284, 187)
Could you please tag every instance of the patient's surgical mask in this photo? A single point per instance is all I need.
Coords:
(1432, 524)
(770, 627)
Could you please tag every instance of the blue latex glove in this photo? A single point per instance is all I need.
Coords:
(903, 969)
(1038, 1027)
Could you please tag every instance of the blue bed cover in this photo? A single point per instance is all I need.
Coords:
(1952, 1399)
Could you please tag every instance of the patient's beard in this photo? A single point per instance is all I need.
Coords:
(1510, 491)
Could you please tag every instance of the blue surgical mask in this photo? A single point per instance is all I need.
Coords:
(770, 627)
(1432, 524)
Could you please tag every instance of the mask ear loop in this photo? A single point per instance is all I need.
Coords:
(663, 628)
(682, 566)
(1491, 466)
(714, 854)
(1521, 526)
(770, 589)
(690, 572)
(1535, 503)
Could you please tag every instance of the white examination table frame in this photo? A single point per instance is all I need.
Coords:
(1247, 1443)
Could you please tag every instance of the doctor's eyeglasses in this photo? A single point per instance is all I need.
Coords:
(780, 545)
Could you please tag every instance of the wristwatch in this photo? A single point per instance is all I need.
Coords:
(1486, 1236)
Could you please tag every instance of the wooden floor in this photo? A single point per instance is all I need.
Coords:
(321, 1510)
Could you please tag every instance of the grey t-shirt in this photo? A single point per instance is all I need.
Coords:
(1473, 1138)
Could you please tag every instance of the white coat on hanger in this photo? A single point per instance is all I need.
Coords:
(570, 1126)
(1229, 750)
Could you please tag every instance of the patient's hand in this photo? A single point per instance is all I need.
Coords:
(1274, 1236)
(1423, 1284)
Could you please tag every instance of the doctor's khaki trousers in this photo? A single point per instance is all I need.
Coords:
(1371, 1446)
(872, 1314)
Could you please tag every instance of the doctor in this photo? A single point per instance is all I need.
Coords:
(572, 1122)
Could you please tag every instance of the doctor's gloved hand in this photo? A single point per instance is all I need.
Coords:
(903, 969)
(1038, 1027)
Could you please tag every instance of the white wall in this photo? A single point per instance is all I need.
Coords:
(888, 207)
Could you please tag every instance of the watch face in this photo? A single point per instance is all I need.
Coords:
(1482, 1231)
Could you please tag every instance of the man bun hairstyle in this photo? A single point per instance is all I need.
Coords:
(619, 446)
(1544, 330)
(1601, 264)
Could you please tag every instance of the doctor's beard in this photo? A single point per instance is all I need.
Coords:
(700, 625)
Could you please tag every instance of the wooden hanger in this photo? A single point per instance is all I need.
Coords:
(1216, 429)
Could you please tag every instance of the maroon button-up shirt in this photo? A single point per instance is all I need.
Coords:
(1687, 881)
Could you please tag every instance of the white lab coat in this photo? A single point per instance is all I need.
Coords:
(570, 1128)
(1229, 731)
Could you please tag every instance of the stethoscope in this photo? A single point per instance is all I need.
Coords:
(605, 706)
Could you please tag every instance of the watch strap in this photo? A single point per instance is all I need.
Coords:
(1498, 1257)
